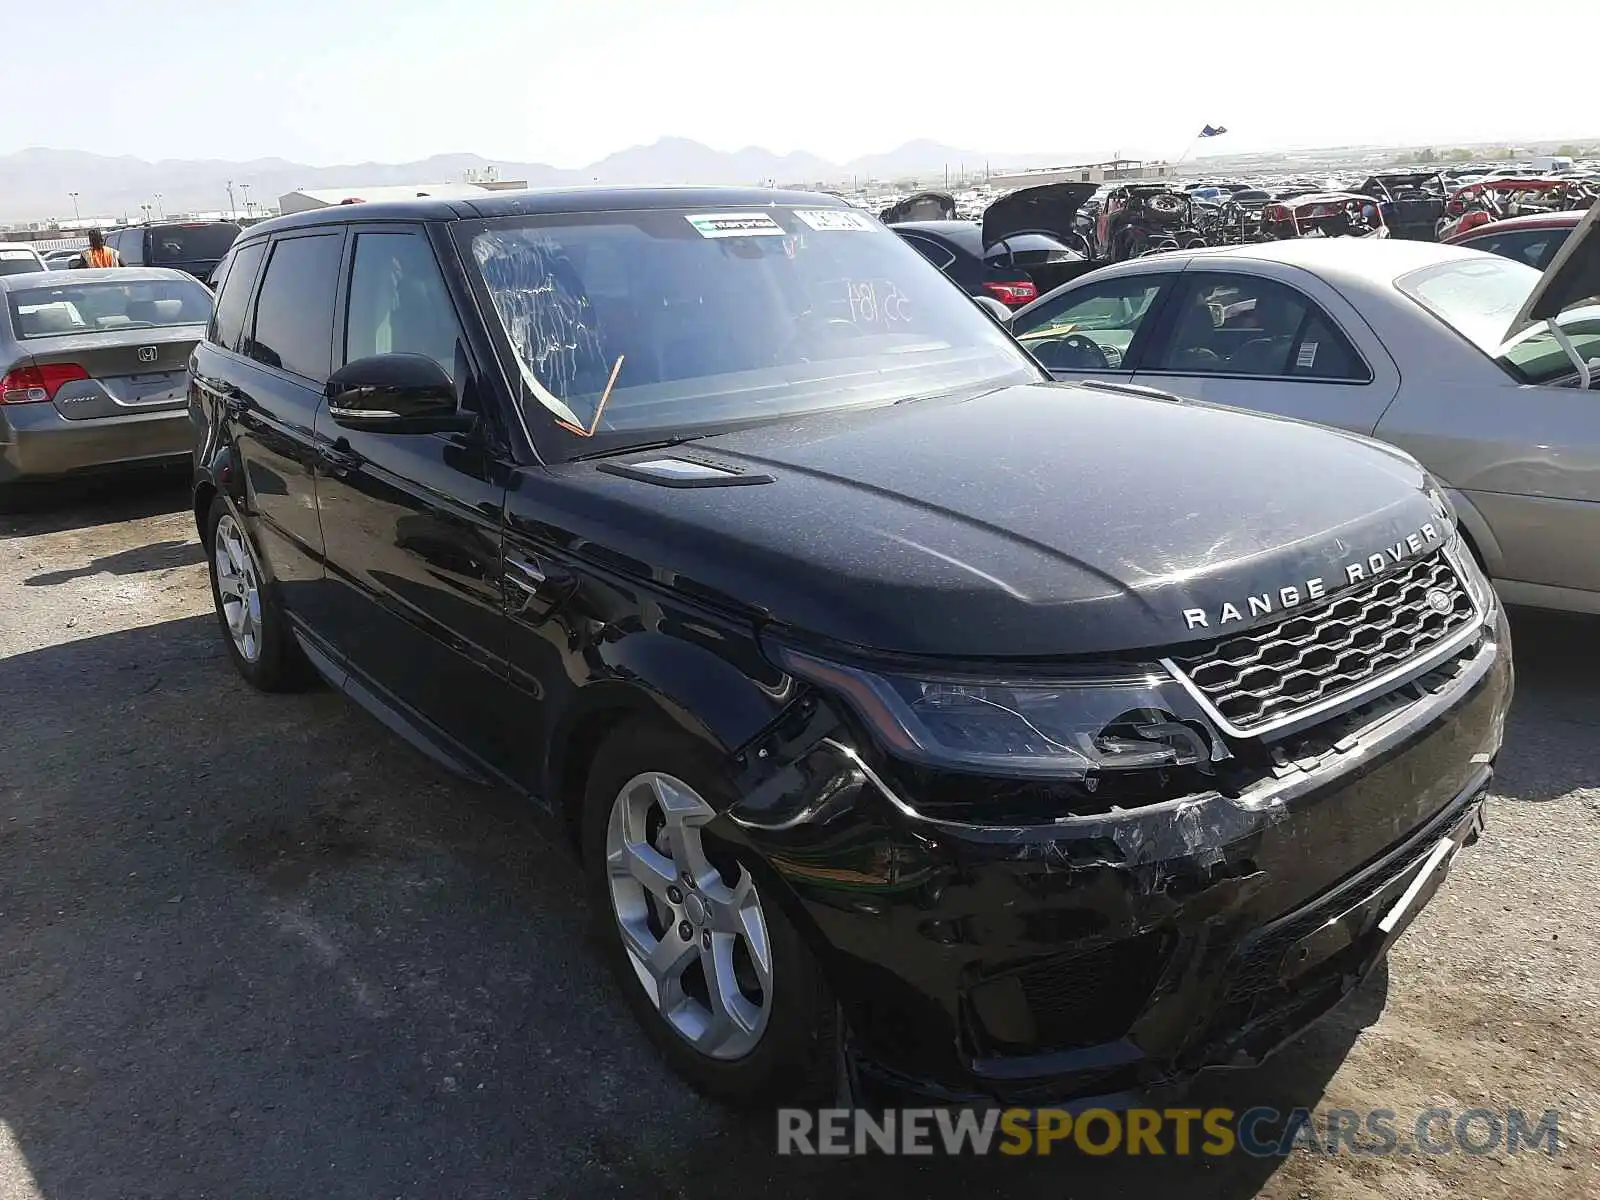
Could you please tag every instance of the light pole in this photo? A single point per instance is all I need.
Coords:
(146, 209)
(160, 212)
(231, 208)
(76, 215)
(245, 188)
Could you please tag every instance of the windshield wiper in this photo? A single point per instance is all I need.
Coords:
(628, 449)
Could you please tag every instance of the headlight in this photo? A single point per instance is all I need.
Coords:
(1056, 729)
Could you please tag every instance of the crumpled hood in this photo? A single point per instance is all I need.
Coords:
(1036, 521)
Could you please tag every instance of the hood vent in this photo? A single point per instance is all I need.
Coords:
(684, 473)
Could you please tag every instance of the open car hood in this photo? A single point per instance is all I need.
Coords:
(1572, 277)
(924, 206)
(1048, 208)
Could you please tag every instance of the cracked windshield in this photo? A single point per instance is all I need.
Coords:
(662, 319)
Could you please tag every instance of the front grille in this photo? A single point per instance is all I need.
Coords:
(1319, 654)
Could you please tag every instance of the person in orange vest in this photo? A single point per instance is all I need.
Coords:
(99, 254)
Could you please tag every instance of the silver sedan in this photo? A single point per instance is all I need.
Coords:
(1480, 367)
(94, 370)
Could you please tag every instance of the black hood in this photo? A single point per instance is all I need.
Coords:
(924, 206)
(1048, 208)
(1037, 521)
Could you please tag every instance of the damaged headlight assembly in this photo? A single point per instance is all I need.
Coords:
(1008, 724)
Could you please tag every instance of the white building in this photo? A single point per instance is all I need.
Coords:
(311, 198)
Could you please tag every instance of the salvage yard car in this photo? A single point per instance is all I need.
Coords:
(922, 723)
(1472, 362)
(1026, 244)
(194, 247)
(93, 370)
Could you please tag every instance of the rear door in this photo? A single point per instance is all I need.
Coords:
(1245, 338)
(412, 521)
(273, 388)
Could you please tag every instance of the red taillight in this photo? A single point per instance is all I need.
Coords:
(1013, 294)
(33, 385)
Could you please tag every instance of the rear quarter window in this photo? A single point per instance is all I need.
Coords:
(228, 321)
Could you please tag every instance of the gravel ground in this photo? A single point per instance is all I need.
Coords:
(255, 946)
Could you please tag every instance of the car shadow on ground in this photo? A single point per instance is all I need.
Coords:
(1558, 673)
(42, 508)
(256, 946)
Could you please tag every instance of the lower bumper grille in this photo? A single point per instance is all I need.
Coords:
(1268, 675)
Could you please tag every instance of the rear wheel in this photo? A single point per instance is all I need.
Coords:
(712, 968)
(257, 634)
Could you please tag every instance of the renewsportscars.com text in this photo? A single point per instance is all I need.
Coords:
(1260, 1132)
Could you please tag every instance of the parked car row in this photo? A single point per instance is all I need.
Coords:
(995, 715)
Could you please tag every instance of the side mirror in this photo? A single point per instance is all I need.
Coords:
(994, 308)
(395, 393)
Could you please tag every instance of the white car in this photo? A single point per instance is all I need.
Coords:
(19, 258)
(1476, 364)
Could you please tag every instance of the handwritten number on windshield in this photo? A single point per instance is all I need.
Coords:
(870, 307)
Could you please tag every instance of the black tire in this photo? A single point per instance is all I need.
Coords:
(795, 1060)
(279, 666)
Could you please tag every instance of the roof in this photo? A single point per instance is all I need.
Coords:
(1343, 259)
(18, 246)
(97, 275)
(538, 201)
(966, 234)
(1551, 220)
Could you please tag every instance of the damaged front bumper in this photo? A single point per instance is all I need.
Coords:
(1100, 958)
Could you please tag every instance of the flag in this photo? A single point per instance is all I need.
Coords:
(1213, 130)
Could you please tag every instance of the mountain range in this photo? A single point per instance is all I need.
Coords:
(37, 183)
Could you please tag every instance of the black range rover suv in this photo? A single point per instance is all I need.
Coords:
(921, 723)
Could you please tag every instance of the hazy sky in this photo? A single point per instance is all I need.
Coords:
(328, 81)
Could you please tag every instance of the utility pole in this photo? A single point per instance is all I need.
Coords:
(231, 208)
(76, 215)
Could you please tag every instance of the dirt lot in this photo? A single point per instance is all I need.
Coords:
(254, 946)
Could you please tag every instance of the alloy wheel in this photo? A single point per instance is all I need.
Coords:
(238, 588)
(697, 943)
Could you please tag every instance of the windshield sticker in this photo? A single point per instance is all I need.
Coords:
(831, 220)
(722, 225)
(1307, 358)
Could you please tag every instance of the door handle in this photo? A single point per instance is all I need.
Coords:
(338, 456)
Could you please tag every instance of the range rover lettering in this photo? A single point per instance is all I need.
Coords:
(923, 724)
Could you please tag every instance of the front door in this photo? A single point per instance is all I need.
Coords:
(412, 521)
(1096, 329)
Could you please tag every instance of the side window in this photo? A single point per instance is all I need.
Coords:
(294, 313)
(398, 301)
(227, 320)
(1104, 315)
(1246, 325)
(932, 251)
(130, 247)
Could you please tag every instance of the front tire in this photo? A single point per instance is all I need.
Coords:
(254, 627)
(712, 968)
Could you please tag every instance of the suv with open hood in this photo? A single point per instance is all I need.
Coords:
(921, 722)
